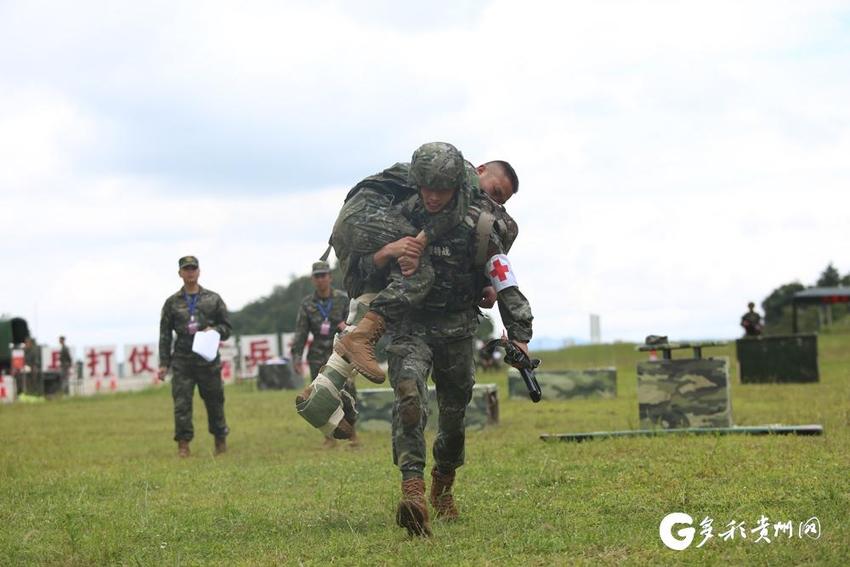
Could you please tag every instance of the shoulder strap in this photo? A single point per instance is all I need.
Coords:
(482, 236)
(324, 257)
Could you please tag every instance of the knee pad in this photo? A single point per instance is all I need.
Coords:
(320, 404)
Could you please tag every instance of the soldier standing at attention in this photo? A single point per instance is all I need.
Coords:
(32, 359)
(193, 308)
(751, 321)
(323, 314)
(65, 362)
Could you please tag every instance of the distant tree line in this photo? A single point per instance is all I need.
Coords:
(276, 313)
(777, 306)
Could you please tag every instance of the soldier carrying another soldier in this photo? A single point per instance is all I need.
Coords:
(436, 338)
(370, 236)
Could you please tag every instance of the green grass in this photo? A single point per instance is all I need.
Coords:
(97, 481)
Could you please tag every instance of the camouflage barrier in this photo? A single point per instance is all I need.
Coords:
(780, 358)
(567, 384)
(375, 407)
(675, 394)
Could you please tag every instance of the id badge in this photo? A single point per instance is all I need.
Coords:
(325, 329)
(192, 327)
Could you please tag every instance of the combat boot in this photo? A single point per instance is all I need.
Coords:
(183, 449)
(412, 512)
(344, 430)
(358, 347)
(220, 445)
(441, 495)
(354, 440)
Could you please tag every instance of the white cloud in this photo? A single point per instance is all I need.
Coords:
(676, 159)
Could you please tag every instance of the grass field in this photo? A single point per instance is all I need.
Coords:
(96, 482)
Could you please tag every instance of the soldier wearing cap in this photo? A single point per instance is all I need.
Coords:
(323, 314)
(191, 309)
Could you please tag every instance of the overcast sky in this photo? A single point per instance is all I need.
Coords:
(676, 159)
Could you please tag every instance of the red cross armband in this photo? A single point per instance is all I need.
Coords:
(500, 272)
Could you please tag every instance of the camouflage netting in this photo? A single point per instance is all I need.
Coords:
(375, 408)
(684, 393)
(567, 384)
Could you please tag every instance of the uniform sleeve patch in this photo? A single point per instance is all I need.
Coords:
(500, 272)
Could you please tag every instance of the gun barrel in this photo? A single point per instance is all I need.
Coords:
(531, 383)
(519, 360)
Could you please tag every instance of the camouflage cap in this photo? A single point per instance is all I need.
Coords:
(321, 267)
(187, 261)
(437, 165)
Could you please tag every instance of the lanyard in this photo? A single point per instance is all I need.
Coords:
(325, 309)
(191, 301)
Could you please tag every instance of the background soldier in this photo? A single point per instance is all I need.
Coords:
(65, 362)
(193, 309)
(751, 321)
(32, 360)
(323, 314)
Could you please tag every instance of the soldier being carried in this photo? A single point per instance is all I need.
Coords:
(384, 271)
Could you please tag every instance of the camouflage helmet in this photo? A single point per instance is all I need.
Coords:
(437, 165)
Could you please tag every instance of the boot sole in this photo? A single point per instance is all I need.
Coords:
(412, 519)
(340, 350)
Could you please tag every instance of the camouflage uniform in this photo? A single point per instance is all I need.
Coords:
(65, 363)
(751, 322)
(189, 368)
(373, 216)
(504, 225)
(310, 320)
(438, 337)
(33, 381)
